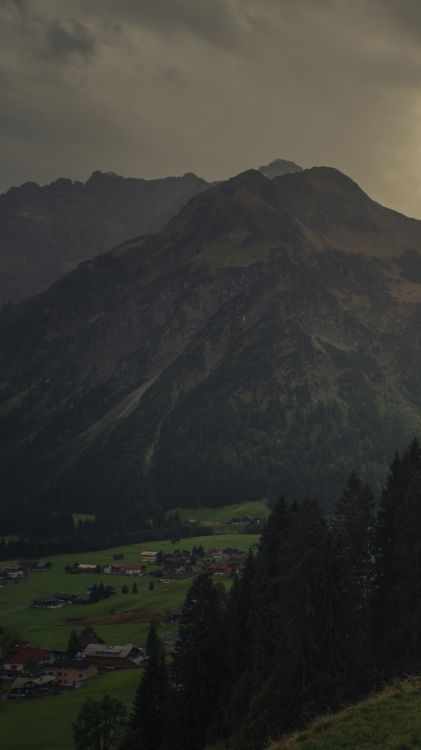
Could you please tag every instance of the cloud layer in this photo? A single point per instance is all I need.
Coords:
(156, 87)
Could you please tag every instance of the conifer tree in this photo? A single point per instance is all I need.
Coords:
(73, 644)
(147, 719)
(302, 678)
(198, 666)
(390, 544)
(353, 528)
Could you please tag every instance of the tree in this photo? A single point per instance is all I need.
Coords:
(353, 528)
(159, 557)
(147, 719)
(100, 724)
(306, 667)
(392, 549)
(73, 644)
(198, 666)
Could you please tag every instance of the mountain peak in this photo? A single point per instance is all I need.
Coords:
(279, 167)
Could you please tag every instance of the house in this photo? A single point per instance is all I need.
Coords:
(72, 673)
(113, 657)
(86, 568)
(48, 602)
(11, 573)
(123, 569)
(25, 687)
(149, 556)
(25, 658)
(192, 522)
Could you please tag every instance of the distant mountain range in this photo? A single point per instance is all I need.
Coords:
(267, 339)
(46, 231)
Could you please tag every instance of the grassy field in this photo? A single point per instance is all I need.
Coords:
(45, 723)
(258, 508)
(83, 517)
(390, 721)
(123, 617)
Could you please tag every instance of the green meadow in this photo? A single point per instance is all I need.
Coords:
(123, 617)
(257, 508)
(45, 723)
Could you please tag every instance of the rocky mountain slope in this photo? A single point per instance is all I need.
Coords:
(266, 340)
(46, 231)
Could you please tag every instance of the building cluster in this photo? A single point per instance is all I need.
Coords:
(182, 564)
(22, 569)
(30, 672)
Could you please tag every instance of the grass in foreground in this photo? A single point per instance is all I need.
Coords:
(390, 720)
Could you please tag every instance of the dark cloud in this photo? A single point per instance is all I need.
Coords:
(64, 38)
(157, 87)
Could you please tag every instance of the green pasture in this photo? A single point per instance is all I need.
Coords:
(51, 627)
(257, 508)
(83, 517)
(45, 723)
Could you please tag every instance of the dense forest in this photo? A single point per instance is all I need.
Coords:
(328, 609)
(54, 532)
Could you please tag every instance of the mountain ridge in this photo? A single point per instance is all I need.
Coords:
(228, 357)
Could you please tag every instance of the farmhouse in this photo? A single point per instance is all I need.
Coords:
(25, 658)
(27, 686)
(113, 657)
(72, 673)
(48, 602)
(123, 569)
(149, 556)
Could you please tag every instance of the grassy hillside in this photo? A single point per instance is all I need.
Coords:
(256, 508)
(390, 720)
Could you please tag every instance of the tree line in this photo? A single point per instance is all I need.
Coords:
(328, 609)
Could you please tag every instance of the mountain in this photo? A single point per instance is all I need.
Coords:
(279, 167)
(266, 340)
(46, 231)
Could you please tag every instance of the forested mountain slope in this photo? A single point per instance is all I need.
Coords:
(266, 340)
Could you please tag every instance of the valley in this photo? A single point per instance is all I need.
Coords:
(123, 618)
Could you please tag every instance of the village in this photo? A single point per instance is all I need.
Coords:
(29, 672)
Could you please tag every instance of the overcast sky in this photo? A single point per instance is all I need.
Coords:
(150, 88)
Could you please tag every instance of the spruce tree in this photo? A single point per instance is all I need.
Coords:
(305, 671)
(198, 667)
(390, 546)
(147, 719)
(353, 528)
(73, 644)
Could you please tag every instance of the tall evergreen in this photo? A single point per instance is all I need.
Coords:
(239, 628)
(353, 527)
(198, 667)
(306, 667)
(392, 549)
(147, 720)
(73, 644)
